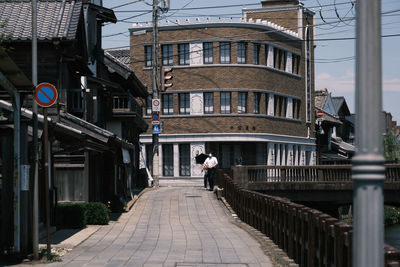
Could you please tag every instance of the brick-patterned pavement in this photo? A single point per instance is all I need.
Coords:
(182, 226)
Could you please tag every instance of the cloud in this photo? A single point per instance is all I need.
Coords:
(392, 85)
(343, 83)
(346, 83)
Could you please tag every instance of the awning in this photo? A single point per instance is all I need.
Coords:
(71, 129)
(105, 14)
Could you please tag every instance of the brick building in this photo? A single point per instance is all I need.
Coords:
(243, 89)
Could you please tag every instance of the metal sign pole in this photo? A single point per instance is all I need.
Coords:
(155, 89)
(46, 179)
(368, 164)
(35, 209)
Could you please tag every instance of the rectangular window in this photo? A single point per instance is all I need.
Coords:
(167, 55)
(208, 103)
(184, 58)
(284, 60)
(208, 53)
(225, 102)
(120, 102)
(75, 100)
(148, 50)
(168, 160)
(276, 105)
(168, 104)
(225, 52)
(279, 59)
(148, 105)
(184, 159)
(256, 105)
(256, 54)
(278, 102)
(296, 108)
(276, 57)
(295, 63)
(266, 103)
(266, 52)
(242, 102)
(184, 103)
(284, 106)
(241, 53)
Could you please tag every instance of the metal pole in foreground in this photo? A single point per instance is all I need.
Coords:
(368, 170)
(35, 209)
(155, 88)
(46, 180)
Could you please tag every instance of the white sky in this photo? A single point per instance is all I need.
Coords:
(335, 64)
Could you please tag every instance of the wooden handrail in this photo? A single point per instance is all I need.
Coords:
(308, 236)
(317, 173)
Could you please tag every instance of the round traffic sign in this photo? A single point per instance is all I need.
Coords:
(320, 113)
(155, 116)
(46, 94)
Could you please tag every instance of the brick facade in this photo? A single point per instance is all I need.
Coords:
(268, 79)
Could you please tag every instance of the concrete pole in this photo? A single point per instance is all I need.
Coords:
(368, 170)
(155, 89)
(35, 208)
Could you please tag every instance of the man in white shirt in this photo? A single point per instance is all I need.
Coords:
(210, 164)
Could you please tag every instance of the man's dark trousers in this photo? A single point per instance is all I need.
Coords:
(211, 178)
(205, 179)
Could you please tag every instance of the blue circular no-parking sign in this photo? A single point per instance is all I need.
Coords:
(46, 94)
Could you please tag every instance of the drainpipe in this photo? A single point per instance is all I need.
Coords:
(17, 159)
(307, 81)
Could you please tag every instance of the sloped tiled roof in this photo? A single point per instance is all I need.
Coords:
(337, 102)
(122, 55)
(320, 98)
(118, 61)
(56, 19)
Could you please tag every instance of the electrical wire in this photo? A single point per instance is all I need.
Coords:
(178, 9)
(332, 60)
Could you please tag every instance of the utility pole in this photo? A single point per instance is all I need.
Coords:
(155, 88)
(35, 209)
(368, 171)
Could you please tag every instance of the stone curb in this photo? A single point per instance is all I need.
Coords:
(277, 255)
(136, 197)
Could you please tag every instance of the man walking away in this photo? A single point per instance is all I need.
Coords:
(210, 165)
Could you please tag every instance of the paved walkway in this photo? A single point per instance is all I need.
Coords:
(182, 226)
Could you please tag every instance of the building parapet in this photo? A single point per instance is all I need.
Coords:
(242, 22)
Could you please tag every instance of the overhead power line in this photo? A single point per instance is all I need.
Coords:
(129, 3)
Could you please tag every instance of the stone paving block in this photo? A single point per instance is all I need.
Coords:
(170, 226)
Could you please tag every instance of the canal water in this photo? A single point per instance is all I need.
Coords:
(392, 235)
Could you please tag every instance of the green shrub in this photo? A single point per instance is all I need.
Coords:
(70, 215)
(77, 215)
(391, 215)
(96, 213)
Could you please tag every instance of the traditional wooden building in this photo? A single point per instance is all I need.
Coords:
(95, 124)
(335, 129)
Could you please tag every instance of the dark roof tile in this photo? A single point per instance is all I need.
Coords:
(56, 19)
(123, 55)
